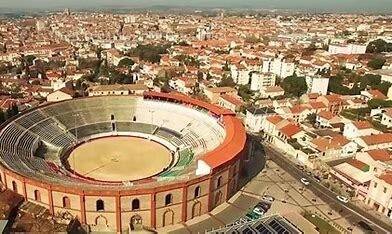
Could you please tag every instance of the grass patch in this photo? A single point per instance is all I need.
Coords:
(322, 225)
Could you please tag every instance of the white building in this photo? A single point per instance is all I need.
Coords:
(60, 95)
(358, 129)
(347, 49)
(317, 85)
(386, 118)
(386, 74)
(204, 33)
(379, 196)
(256, 116)
(279, 67)
(40, 25)
(261, 80)
(240, 75)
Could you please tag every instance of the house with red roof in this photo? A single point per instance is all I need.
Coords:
(325, 119)
(372, 94)
(290, 131)
(379, 160)
(336, 146)
(333, 102)
(378, 141)
(231, 102)
(299, 112)
(359, 128)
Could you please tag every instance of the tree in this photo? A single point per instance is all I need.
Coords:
(226, 82)
(376, 103)
(28, 59)
(149, 53)
(379, 46)
(126, 62)
(311, 118)
(376, 63)
(245, 92)
(294, 85)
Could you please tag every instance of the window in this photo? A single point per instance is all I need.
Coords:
(111, 117)
(135, 204)
(134, 118)
(385, 189)
(66, 202)
(168, 199)
(219, 182)
(37, 195)
(197, 192)
(100, 205)
(14, 186)
(375, 184)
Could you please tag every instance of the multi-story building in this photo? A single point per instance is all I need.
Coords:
(347, 49)
(279, 66)
(317, 84)
(261, 80)
(380, 194)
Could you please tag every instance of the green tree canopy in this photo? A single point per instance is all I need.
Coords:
(379, 46)
(126, 62)
(376, 63)
(376, 103)
(226, 81)
(294, 85)
(150, 53)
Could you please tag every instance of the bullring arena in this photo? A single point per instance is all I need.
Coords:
(122, 163)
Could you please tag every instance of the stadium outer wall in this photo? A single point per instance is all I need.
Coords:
(186, 203)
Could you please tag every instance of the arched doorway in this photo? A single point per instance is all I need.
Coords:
(101, 221)
(136, 223)
(218, 198)
(37, 195)
(168, 218)
(66, 202)
(196, 209)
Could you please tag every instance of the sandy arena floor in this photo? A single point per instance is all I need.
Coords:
(119, 159)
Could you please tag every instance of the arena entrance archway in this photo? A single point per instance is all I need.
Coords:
(136, 223)
(196, 209)
(168, 218)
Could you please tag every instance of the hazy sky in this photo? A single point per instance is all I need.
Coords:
(385, 5)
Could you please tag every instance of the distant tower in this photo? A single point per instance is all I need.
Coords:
(40, 25)
(204, 33)
(67, 11)
(130, 19)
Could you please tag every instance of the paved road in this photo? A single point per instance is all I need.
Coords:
(326, 194)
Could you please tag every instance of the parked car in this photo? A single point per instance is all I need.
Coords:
(342, 199)
(305, 181)
(252, 215)
(259, 210)
(317, 178)
(268, 198)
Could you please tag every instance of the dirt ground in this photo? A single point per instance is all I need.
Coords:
(119, 159)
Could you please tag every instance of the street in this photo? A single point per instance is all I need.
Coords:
(354, 213)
